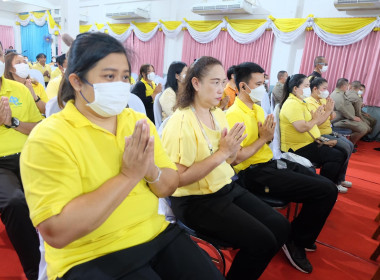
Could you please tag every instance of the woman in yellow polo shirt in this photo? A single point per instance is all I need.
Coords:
(147, 89)
(207, 200)
(299, 129)
(18, 70)
(319, 98)
(93, 173)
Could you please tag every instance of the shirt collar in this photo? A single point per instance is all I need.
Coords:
(72, 115)
(292, 96)
(244, 107)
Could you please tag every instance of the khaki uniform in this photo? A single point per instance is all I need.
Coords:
(345, 114)
(278, 92)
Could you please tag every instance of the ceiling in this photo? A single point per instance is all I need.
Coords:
(21, 6)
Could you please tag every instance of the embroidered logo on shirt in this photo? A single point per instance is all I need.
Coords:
(15, 101)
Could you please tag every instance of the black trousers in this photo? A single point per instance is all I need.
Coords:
(171, 255)
(295, 183)
(331, 159)
(15, 216)
(236, 216)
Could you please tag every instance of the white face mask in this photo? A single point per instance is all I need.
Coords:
(53, 60)
(360, 92)
(151, 76)
(306, 93)
(26, 60)
(324, 94)
(183, 76)
(22, 70)
(324, 68)
(2, 68)
(257, 94)
(267, 82)
(110, 98)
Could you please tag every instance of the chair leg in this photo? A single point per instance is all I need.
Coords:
(288, 211)
(376, 233)
(375, 255)
(377, 219)
(295, 211)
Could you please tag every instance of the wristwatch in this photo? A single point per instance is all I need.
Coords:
(14, 123)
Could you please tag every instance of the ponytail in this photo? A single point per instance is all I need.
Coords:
(292, 81)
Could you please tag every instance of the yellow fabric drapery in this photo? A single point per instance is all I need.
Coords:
(203, 25)
(342, 25)
(245, 25)
(289, 24)
(119, 28)
(171, 25)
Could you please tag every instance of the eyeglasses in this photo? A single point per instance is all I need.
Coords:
(324, 64)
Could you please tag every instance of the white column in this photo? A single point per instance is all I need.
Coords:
(70, 19)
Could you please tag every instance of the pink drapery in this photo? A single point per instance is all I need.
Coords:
(151, 52)
(230, 52)
(359, 61)
(7, 37)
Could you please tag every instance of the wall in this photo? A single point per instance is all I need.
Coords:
(285, 56)
(7, 18)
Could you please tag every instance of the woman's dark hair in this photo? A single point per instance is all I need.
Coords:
(144, 69)
(8, 65)
(61, 59)
(199, 69)
(175, 68)
(40, 55)
(85, 52)
(316, 82)
(292, 81)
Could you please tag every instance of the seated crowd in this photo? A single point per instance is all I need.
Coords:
(94, 173)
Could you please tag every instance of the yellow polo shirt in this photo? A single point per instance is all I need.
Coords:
(184, 142)
(23, 108)
(148, 89)
(294, 110)
(39, 90)
(67, 156)
(313, 105)
(53, 87)
(42, 69)
(57, 72)
(239, 112)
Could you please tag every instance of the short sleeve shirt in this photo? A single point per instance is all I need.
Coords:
(185, 143)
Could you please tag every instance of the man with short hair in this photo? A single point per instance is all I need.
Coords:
(320, 66)
(18, 115)
(282, 179)
(279, 87)
(43, 67)
(345, 111)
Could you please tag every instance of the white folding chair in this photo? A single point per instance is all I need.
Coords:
(136, 104)
(265, 104)
(37, 75)
(275, 145)
(157, 110)
(52, 107)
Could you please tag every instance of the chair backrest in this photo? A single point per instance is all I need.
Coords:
(276, 143)
(160, 129)
(135, 76)
(52, 107)
(159, 80)
(37, 75)
(136, 104)
(157, 110)
(265, 104)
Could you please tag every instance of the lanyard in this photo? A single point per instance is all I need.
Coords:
(210, 147)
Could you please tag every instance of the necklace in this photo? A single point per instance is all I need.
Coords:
(215, 125)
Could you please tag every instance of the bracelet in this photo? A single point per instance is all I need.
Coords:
(38, 99)
(158, 176)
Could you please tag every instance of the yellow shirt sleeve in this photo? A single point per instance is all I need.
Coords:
(180, 140)
(40, 91)
(55, 73)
